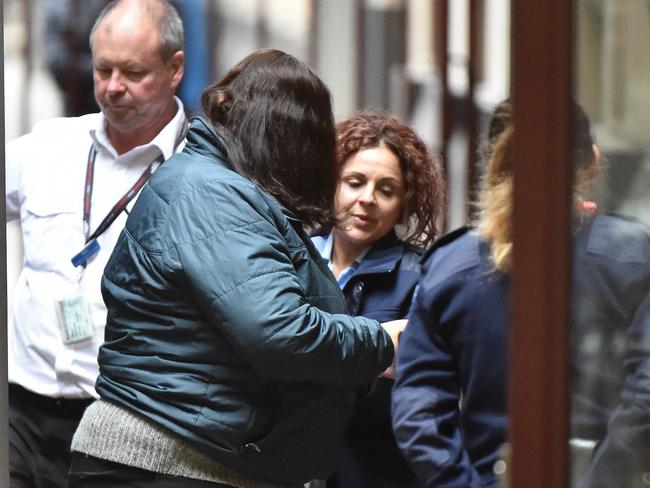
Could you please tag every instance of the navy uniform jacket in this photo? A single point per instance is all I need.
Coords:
(455, 342)
(611, 367)
(623, 458)
(611, 280)
(381, 288)
(449, 409)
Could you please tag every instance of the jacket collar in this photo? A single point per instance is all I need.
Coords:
(203, 140)
(383, 256)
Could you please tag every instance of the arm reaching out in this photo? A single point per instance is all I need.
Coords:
(394, 329)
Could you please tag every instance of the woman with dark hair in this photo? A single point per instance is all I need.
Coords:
(228, 360)
(449, 400)
(389, 205)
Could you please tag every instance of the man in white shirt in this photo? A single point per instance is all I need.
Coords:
(72, 181)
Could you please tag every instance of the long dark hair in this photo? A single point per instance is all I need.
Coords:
(275, 116)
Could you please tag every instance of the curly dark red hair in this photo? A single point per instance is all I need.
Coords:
(425, 185)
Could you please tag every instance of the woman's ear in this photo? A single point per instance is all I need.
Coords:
(403, 226)
(221, 96)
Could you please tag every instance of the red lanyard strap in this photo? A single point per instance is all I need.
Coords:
(121, 204)
(119, 207)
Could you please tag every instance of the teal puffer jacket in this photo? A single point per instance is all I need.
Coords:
(225, 326)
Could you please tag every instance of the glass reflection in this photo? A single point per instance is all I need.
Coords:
(610, 308)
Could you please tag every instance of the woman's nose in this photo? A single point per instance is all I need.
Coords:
(367, 195)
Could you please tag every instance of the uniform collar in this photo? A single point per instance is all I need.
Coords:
(203, 140)
(383, 256)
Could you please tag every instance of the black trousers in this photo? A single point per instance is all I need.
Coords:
(40, 433)
(90, 472)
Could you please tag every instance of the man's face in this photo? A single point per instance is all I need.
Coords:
(134, 87)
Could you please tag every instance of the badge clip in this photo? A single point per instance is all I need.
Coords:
(89, 251)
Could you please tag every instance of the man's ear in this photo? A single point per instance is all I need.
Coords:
(177, 65)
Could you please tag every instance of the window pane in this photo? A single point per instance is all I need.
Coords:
(610, 308)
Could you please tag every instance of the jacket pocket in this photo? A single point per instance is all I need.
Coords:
(263, 429)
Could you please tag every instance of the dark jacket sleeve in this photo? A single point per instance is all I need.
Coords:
(243, 275)
(425, 403)
(623, 458)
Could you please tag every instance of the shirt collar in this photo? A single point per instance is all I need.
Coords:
(325, 245)
(168, 140)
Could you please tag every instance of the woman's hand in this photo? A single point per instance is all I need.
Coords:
(394, 329)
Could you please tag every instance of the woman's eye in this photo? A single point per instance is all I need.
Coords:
(354, 183)
(387, 191)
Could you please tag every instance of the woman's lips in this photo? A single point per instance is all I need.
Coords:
(361, 220)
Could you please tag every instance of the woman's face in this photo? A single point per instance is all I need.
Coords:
(370, 196)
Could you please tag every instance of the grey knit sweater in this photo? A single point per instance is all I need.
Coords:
(110, 432)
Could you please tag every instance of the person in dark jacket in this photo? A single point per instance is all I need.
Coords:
(228, 359)
(623, 457)
(449, 401)
(390, 185)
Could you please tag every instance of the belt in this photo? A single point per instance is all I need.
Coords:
(63, 405)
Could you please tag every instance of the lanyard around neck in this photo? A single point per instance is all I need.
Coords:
(121, 204)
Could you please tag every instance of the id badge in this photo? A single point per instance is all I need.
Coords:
(75, 319)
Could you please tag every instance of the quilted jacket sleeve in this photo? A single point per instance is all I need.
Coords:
(244, 274)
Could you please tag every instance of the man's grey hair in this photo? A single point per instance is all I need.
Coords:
(169, 23)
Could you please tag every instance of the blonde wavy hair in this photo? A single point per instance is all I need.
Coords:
(495, 202)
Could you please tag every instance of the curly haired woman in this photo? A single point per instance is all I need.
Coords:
(389, 204)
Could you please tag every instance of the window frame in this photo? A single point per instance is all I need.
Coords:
(542, 80)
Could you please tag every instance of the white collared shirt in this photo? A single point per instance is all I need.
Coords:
(45, 174)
